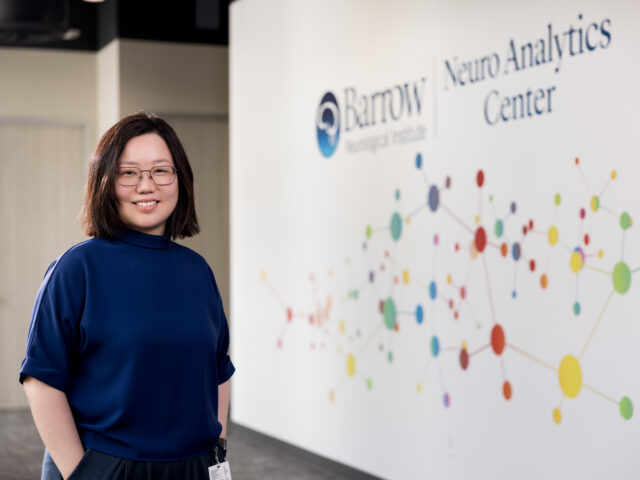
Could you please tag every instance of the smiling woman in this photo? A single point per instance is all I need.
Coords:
(126, 367)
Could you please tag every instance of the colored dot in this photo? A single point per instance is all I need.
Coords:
(504, 250)
(626, 408)
(341, 326)
(332, 396)
(351, 365)
(586, 239)
(490, 198)
(473, 250)
(600, 253)
(614, 174)
(447, 182)
(513, 294)
(369, 384)
(418, 160)
(389, 313)
(435, 346)
(506, 390)
(279, 343)
(552, 235)
(449, 279)
(497, 339)
(419, 314)
(532, 265)
(368, 233)
(396, 226)
(513, 207)
(576, 308)
(499, 228)
(289, 314)
(450, 304)
(480, 239)
(372, 276)
(390, 356)
(570, 376)
(557, 416)
(595, 203)
(577, 160)
(447, 400)
(419, 387)
(515, 251)
(544, 281)
(583, 213)
(407, 220)
(621, 277)
(433, 291)
(576, 260)
(463, 293)
(480, 178)
(625, 221)
(557, 199)
(436, 239)
(464, 359)
(433, 199)
(263, 276)
(405, 277)
(397, 195)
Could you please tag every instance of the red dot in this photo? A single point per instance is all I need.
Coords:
(582, 213)
(312, 277)
(506, 390)
(386, 253)
(311, 319)
(532, 265)
(504, 249)
(524, 230)
(381, 306)
(396, 327)
(456, 247)
(464, 359)
(447, 182)
(530, 224)
(586, 239)
(480, 239)
(289, 314)
(382, 267)
(455, 315)
(450, 304)
(279, 343)
(395, 280)
(463, 292)
(480, 178)
(497, 339)
(577, 160)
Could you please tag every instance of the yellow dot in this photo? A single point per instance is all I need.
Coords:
(419, 387)
(570, 376)
(630, 221)
(329, 303)
(408, 221)
(552, 235)
(405, 276)
(477, 218)
(557, 416)
(351, 365)
(331, 272)
(339, 351)
(449, 279)
(464, 345)
(341, 326)
(601, 253)
(263, 275)
(614, 174)
(575, 262)
(332, 396)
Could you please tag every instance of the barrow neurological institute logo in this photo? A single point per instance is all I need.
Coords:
(328, 124)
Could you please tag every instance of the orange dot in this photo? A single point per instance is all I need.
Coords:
(506, 390)
(504, 249)
(332, 396)
(396, 327)
(577, 160)
(544, 281)
(497, 339)
(530, 224)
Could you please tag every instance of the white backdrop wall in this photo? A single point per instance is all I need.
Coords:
(451, 288)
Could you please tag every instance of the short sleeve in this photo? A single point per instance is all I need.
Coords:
(54, 328)
(225, 366)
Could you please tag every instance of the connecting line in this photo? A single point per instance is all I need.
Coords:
(567, 247)
(586, 184)
(277, 295)
(457, 219)
(486, 274)
(479, 350)
(371, 337)
(531, 357)
(622, 249)
(426, 368)
(424, 205)
(597, 269)
(608, 210)
(606, 185)
(504, 372)
(379, 229)
(593, 330)
(606, 397)
(634, 271)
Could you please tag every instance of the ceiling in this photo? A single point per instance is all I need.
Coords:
(81, 25)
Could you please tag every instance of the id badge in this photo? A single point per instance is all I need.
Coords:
(220, 471)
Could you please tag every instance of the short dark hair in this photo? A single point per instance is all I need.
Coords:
(100, 209)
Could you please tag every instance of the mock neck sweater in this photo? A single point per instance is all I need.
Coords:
(133, 331)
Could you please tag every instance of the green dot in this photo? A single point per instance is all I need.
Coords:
(390, 356)
(557, 199)
(621, 277)
(397, 194)
(490, 198)
(626, 408)
(396, 226)
(499, 228)
(625, 221)
(389, 312)
(368, 231)
(369, 383)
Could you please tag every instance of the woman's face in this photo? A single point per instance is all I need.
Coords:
(146, 206)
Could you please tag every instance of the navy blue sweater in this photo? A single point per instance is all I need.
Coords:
(134, 333)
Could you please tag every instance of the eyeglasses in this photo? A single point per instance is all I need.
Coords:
(131, 176)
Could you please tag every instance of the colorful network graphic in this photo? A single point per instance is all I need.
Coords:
(485, 236)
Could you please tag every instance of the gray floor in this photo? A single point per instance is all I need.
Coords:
(250, 455)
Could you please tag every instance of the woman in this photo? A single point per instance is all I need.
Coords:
(126, 367)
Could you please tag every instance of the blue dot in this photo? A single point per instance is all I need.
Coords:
(576, 308)
(419, 314)
(372, 276)
(419, 160)
(434, 198)
(397, 194)
(447, 400)
(433, 291)
(499, 228)
(364, 245)
(435, 346)
(515, 251)
(513, 207)
(513, 294)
